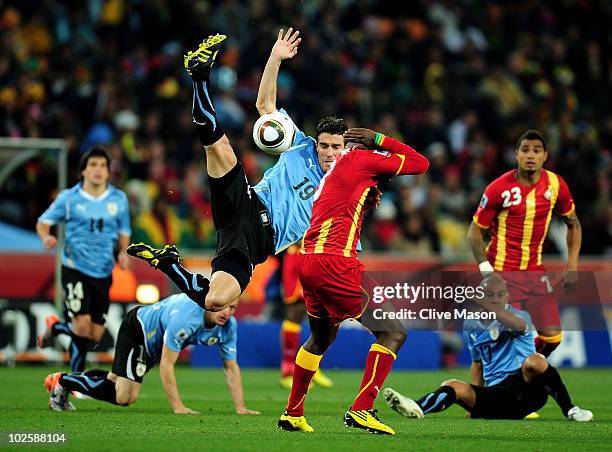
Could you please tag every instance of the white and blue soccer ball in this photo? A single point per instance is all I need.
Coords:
(273, 133)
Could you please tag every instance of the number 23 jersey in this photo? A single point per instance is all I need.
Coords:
(519, 216)
(287, 190)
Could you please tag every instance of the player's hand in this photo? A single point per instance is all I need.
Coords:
(49, 242)
(185, 410)
(245, 410)
(569, 280)
(286, 46)
(373, 199)
(122, 259)
(360, 135)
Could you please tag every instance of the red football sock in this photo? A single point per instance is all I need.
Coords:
(290, 340)
(547, 344)
(378, 365)
(306, 365)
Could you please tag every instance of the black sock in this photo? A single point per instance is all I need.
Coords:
(92, 383)
(78, 352)
(438, 400)
(194, 285)
(62, 328)
(551, 380)
(204, 115)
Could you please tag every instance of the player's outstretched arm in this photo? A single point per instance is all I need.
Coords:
(231, 370)
(408, 160)
(285, 47)
(166, 371)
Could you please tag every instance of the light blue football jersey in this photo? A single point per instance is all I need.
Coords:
(287, 190)
(177, 322)
(500, 350)
(92, 227)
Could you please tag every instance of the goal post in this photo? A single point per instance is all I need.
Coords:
(15, 152)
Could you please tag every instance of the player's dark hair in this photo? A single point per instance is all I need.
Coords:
(331, 125)
(94, 151)
(531, 134)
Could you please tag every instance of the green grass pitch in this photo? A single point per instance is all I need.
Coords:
(150, 425)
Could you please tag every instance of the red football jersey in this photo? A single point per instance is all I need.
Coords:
(337, 210)
(519, 216)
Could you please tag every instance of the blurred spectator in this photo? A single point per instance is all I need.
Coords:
(458, 80)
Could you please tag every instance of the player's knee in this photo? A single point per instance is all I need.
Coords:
(453, 383)
(535, 363)
(457, 385)
(215, 302)
(124, 399)
(82, 329)
(220, 146)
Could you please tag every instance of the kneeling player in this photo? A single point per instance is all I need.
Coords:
(149, 334)
(509, 379)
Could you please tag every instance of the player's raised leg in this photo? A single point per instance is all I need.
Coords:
(323, 332)
(167, 259)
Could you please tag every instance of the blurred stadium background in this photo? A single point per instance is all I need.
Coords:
(458, 80)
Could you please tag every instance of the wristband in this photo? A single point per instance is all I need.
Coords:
(378, 139)
(485, 267)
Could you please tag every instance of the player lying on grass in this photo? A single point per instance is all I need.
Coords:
(509, 379)
(151, 334)
(331, 274)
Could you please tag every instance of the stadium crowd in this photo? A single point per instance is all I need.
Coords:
(458, 80)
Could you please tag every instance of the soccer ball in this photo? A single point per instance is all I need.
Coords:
(273, 133)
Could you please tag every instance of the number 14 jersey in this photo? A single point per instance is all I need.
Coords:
(519, 216)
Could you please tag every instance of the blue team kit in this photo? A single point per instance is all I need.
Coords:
(92, 227)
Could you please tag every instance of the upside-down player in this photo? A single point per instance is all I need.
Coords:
(517, 207)
(330, 273)
(251, 222)
(295, 310)
(509, 379)
(155, 334)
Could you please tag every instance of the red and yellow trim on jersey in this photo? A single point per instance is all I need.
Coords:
(530, 211)
(500, 249)
(323, 233)
(556, 339)
(403, 159)
(569, 212)
(475, 220)
(349, 243)
(553, 186)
